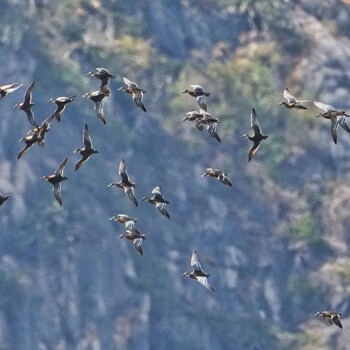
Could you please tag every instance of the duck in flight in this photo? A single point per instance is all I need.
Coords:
(331, 317)
(136, 236)
(336, 117)
(86, 151)
(218, 174)
(125, 182)
(27, 104)
(197, 273)
(257, 136)
(199, 93)
(136, 92)
(159, 201)
(56, 179)
(292, 102)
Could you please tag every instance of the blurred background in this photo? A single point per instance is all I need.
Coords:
(276, 244)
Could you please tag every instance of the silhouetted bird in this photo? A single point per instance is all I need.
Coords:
(331, 317)
(158, 200)
(135, 91)
(292, 102)
(257, 137)
(125, 182)
(36, 135)
(3, 199)
(199, 93)
(198, 274)
(27, 104)
(61, 103)
(55, 179)
(218, 174)
(7, 89)
(336, 117)
(136, 236)
(87, 151)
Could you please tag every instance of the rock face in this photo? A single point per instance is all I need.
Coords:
(275, 244)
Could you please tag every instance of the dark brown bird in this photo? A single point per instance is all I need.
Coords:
(210, 122)
(331, 317)
(292, 102)
(218, 174)
(136, 236)
(158, 200)
(27, 104)
(29, 140)
(36, 135)
(3, 199)
(56, 179)
(199, 93)
(87, 151)
(135, 91)
(61, 103)
(7, 89)
(103, 75)
(336, 117)
(197, 273)
(97, 97)
(125, 182)
(257, 137)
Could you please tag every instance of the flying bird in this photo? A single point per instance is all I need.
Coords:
(133, 90)
(7, 89)
(199, 93)
(3, 199)
(292, 102)
(56, 179)
(257, 137)
(97, 97)
(197, 273)
(27, 104)
(86, 151)
(331, 317)
(136, 236)
(159, 201)
(125, 182)
(103, 75)
(61, 103)
(218, 174)
(124, 219)
(36, 135)
(336, 117)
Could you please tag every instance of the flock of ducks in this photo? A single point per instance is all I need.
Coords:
(201, 118)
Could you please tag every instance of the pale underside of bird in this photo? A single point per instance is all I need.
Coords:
(135, 92)
(125, 220)
(8, 88)
(331, 317)
(197, 273)
(136, 236)
(200, 95)
(61, 103)
(158, 200)
(97, 97)
(125, 183)
(292, 102)
(337, 118)
(218, 174)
